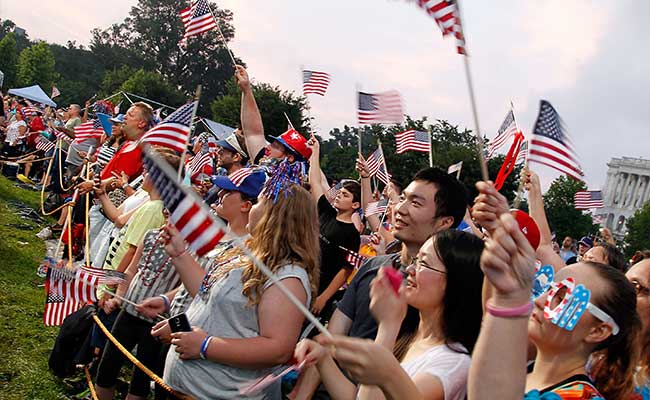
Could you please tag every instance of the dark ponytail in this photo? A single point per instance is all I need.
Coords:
(616, 358)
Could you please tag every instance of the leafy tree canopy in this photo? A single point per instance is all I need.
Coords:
(36, 66)
(563, 218)
(638, 231)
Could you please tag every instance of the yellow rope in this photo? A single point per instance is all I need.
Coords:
(47, 174)
(33, 161)
(61, 173)
(136, 362)
(91, 386)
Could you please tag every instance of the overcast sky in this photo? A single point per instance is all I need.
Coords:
(588, 58)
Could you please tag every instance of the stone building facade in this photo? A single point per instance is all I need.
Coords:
(626, 189)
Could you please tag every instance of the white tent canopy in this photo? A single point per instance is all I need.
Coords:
(33, 93)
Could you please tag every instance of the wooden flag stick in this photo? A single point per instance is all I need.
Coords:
(430, 149)
(197, 96)
(223, 38)
(479, 137)
(288, 120)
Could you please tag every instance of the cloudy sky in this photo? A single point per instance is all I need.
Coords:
(588, 58)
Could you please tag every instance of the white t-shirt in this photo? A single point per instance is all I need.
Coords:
(450, 367)
(13, 132)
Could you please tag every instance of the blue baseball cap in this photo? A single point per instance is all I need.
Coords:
(247, 181)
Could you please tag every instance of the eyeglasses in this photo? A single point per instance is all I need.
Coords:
(419, 264)
(640, 289)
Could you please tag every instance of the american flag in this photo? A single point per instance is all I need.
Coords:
(413, 140)
(237, 177)
(195, 222)
(375, 160)
(30, 111)
(447, 17)
(455, 167)
(383, 175)
(356, 260)
(55, 92)
(58, 302)
(586, 199)
(199, 162)
(197, 19)
(88, 130)
(380, 108)
(105, 276)
(551, 145)
(174, 130)
(44, 144)
(523, 152)
(62, 136)
(376, 207)
(506, 131)
(314, 82)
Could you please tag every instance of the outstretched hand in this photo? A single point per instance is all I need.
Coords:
(241, 75)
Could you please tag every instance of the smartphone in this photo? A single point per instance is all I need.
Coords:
(179, 323)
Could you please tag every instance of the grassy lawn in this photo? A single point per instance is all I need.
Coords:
(25, 343)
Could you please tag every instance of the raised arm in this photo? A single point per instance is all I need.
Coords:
(251, 119)
(498, 369)
(315, 173)
(545, 252)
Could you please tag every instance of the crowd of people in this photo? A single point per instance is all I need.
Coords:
(478, 311)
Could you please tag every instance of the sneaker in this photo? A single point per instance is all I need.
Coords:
(45, 233)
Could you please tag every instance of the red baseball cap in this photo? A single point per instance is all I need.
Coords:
(528, 227)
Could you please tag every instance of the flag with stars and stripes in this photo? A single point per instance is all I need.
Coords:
(200, 161)
(193, 219)
(523, 152)
(587, 199)
(356, 260)
(446, 15)
(59, 302)
(237, 177)
(380, 108)
(375, 160)
(413, 140)
(376, 207)
(551, 145)
(62, 136)
(197, 19)
(314, 82)
(506, 131)
(88, 130)
(44, 144)
(174, 130)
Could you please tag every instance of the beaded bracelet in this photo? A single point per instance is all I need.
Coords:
(166, 301)
(204, 347)
(522, 311)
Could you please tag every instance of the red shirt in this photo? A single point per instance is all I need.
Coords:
(128, 159)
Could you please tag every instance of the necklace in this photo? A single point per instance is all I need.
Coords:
(212, 276)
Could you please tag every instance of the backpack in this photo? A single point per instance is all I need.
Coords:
(72, 345)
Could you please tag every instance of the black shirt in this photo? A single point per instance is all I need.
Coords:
(356, 300)
(334, 233)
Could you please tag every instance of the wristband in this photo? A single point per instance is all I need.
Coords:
(204, 347)
(522, 311)
(166, 301)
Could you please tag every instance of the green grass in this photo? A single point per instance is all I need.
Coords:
(25, 343)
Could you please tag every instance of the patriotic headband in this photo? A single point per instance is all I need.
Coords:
(575, 302)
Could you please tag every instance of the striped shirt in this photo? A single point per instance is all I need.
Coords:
(106, 152)
(156, 274)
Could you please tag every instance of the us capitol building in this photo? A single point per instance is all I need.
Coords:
(626, 190)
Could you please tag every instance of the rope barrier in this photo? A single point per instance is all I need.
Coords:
(137, 362)
(14, 158)
(91, 386)
(47, 173)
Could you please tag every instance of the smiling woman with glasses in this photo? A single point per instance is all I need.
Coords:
(443, 283)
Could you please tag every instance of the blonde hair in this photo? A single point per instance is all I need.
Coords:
(287, 233)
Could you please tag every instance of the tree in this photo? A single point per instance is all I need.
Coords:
(563, 218)
(151, 36)
(80, 73)
(153, 86)
(8, 59)
(638, 231)
(450, 145)
(273, 103)
(36, 66)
